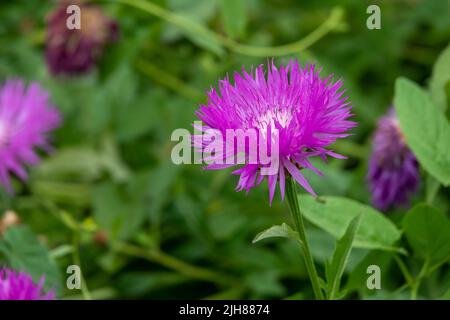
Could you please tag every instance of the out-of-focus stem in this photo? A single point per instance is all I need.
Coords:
(173, 263)
(334, 22)
(417, 281)
(406, 274)
(77, 261)
(168, 80)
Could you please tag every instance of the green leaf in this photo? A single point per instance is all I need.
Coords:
(428, 233)
(335, 269)
(440, 79)
(333, 214)
(446, 295)
(426, 130)
(24, 252)
(338, 181)
(83, 163)
(77, 163)
(432, 188)
(233, 15)
(117, 210)
(283, 231)
(143, 117)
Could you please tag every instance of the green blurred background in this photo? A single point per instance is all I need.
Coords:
(110, 198)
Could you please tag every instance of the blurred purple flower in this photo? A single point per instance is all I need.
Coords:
(26, 117)
(393, 169)
(308, 113)
(20, 286)
(75, 51)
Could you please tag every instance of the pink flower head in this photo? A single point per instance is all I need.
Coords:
(20, 286)
(26, 116)
(289, 105)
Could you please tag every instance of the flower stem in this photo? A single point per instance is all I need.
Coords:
(173, 263)
(5, 201)
(406, 274)
(168, 80)
(335, 21)
(291, 196)
(77, 261)
(417, 281)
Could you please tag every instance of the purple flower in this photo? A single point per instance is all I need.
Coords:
(290, 105)
(75, 51)
(393, 169)
(26, 117)
(20, 286)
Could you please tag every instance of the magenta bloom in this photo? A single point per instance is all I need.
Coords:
(289, 105)
(393, 169)
(76, 51)
(20, 286)
(26, 116)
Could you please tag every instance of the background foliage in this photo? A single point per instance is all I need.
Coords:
(111, 200)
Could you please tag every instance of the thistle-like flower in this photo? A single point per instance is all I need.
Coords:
(291, 106)
(393, 169)
(20, 286)
(76, 51)
(26, 117)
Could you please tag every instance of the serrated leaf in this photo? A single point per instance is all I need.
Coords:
(335, 269)
(333, 214)
(24, 252)
(283, 231)
(426, 130)
(428, 233)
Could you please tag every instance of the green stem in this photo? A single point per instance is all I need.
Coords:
(294, 207)
(417, 281)
(153, 255)
(61, 251)
(168, 80)
(106, 293)
(77, 261)
(406, 274)
(5, 200)
(400, 289)
(334, 22)
(173, 263)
